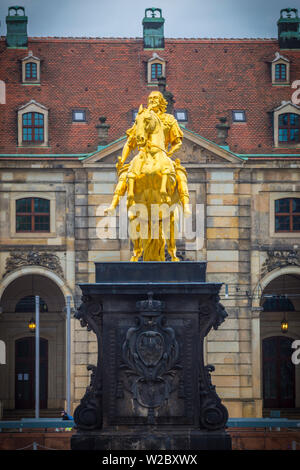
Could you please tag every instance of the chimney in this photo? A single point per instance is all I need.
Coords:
(153, 29)
(168, 96)
(102, 132)
(289, 29)
(16, 22)
(222, 132)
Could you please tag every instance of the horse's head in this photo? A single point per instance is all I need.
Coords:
(145, 125)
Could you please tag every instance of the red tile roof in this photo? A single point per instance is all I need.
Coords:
(208, 77)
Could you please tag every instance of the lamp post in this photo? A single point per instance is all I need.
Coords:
(68, 355)
(37, 356)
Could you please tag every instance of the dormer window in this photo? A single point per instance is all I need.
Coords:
(287, 125)
(31, 69)
(156, 68)
(33, 125)
(280, 70)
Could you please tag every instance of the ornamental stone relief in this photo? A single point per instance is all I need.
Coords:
(18, 259)
(279, 259)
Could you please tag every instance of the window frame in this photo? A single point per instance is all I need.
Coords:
(31, 59)
(32, 107)
(155, 60)
(31, 76)
(33, 127)
(176, 111)
(289, 214)
(77, 110)
(14, 196)
(280, 60)
(241, 111)
(155, 65)
(284, 108)
(281, 66)
(288, 128)
(32, 214)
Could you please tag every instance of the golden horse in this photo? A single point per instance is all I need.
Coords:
(155, 186)
(152, 185)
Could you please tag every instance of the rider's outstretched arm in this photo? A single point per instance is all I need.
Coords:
(125, 153)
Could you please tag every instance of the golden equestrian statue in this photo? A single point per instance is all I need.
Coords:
(153, 179)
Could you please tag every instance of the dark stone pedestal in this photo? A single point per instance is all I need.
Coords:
(150, 389)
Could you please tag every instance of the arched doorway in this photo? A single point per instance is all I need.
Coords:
(25, 373)
(17, 376)
(280, 378)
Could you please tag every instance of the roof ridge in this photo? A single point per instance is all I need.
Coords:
(113, 38)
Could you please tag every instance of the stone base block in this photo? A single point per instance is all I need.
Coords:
(155, 440)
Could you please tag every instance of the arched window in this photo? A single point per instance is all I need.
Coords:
(33, 127)
(288, 128)
(32, 215)
(287, 215)
(27, 305)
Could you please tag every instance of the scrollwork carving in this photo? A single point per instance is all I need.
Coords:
(280, 258)
(88, 415)
(18, 259)
(213, 415)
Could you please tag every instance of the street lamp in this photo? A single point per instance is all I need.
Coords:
(32, 325)
(284, 324)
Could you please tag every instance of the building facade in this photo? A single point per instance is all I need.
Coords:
(65, 105)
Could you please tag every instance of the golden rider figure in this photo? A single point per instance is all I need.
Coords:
(173, 140)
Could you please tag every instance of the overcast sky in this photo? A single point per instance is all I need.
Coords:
(123, 18)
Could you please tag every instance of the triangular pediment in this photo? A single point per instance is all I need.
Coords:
(194, 149)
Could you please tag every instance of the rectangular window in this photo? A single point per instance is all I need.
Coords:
(280, 72)
(287, 215)
(78, 115)
(33, 127)
(32, 215)
(156, 71)
(288, 128)
(238, 116)
(181, 115)
(31, 71)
